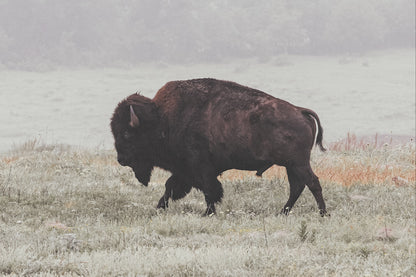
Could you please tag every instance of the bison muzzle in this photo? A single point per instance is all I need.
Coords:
(197, 129)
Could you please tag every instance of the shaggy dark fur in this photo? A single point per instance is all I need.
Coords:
(197, 129)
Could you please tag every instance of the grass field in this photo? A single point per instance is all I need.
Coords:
(68, 212)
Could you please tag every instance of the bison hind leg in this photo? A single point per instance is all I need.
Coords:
(297, 185)
(299, 176)
(316, 189)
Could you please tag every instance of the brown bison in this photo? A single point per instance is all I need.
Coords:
(196, 129)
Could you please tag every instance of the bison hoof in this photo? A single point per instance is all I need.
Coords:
(163, 204)
(324, 213)
(210, 211)
(285, 211)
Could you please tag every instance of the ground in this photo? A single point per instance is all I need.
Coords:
(68, 211)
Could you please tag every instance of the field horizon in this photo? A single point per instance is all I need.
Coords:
(76, 212)
(362, 94)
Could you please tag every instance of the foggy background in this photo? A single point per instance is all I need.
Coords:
(64, 65)
(44, 34)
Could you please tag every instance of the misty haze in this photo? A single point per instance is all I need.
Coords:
(65, 65)
(68, 208)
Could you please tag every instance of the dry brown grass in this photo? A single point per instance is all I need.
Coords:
(355, 161)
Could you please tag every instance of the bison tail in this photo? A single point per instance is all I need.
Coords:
(319, 135)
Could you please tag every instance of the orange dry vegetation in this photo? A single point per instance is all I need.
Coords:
(8, 160)
(341, 172)
(355, 161)
(350, 174)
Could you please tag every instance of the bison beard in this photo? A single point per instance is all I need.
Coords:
(142, 173)
(196, 129)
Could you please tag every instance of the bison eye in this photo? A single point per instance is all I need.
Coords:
(127, 135)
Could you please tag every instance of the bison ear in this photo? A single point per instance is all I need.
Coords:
(134, 120)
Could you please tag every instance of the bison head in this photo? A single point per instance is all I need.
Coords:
(134, 126)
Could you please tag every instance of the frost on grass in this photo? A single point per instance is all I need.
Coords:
(71, 212)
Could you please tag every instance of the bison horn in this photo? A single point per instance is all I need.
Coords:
(134, 120)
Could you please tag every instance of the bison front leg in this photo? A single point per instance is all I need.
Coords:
(213, 192)
(175, 189)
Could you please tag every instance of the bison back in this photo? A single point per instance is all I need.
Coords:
(232, 125)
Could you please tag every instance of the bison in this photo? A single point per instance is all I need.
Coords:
(197, 129)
